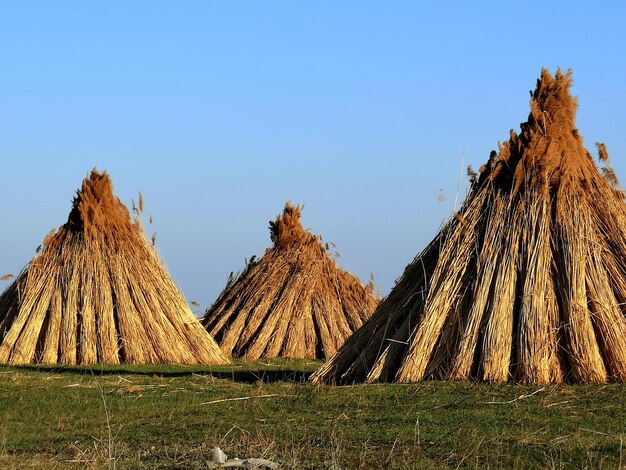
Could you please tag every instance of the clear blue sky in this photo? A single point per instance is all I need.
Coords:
(219, 112)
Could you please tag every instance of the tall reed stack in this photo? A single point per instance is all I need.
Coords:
(527, 283)
(293, 302)
(98, 293)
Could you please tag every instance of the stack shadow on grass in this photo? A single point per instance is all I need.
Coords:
(249, 376)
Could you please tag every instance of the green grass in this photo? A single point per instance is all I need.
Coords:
(158, 417)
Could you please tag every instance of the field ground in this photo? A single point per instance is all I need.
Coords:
(171, 417)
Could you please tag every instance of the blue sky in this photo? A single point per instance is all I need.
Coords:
(219, 112)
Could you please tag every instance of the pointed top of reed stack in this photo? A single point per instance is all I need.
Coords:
(548, 150)
(98, 293)
(526, 283)
(293, 302)
(287, 227)
(95, 207)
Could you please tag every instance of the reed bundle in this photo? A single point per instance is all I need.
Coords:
(293, 302)
(527, 283)
(98, 293)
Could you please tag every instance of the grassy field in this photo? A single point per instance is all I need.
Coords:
(171, 417)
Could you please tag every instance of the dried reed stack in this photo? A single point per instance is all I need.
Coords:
(293, 302)
(98, 293)
(527, 283)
